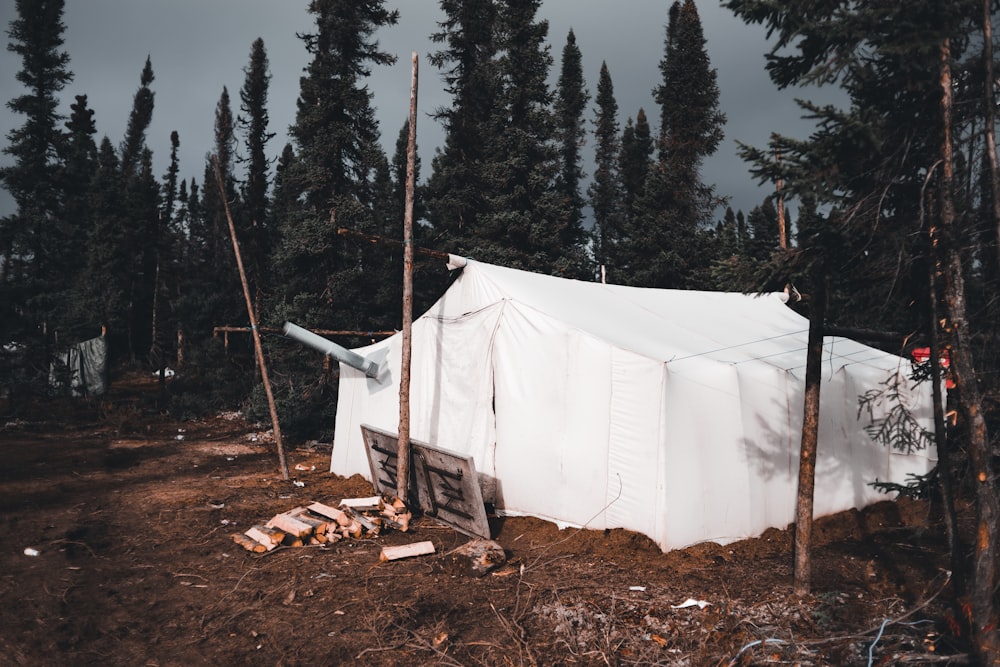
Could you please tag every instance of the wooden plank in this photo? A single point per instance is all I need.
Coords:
(406, 551)
(249, 544)
(373, 503)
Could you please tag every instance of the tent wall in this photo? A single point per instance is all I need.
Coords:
(685, 440)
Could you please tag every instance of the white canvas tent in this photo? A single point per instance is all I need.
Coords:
(676, 414)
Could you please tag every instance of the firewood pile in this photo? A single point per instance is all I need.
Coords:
(318, 523)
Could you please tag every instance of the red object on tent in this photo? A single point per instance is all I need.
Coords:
(922, 354)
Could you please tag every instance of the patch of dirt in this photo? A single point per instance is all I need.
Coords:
(131, 514)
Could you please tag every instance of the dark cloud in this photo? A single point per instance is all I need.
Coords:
(198, 47)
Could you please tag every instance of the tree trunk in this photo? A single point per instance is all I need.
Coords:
(983, 579)
(990, 129)
(946, 459)
(810, 437)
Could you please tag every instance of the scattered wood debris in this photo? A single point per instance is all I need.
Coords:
(318, 523)
(406, 550)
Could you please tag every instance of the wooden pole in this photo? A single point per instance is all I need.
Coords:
(354, 333)
(375, 239)
(782, 232)
(253, 323)
(403, 460)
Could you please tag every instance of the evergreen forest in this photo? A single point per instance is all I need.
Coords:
(895, 241)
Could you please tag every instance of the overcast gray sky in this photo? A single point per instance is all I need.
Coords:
(197, 47)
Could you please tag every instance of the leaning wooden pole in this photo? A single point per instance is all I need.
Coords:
(403, 469)
(253, 322)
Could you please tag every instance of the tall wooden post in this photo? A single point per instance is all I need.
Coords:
(403, 466)
(253, 323)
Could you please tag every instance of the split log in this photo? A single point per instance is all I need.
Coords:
(331, 513)
(370, 524)
(406, 551)
(319, 526)
(291, 525)
(249, 544)
(269, 537)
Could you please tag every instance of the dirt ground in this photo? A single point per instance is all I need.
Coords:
(130, 515)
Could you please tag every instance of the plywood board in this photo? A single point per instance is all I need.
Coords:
(445, 483)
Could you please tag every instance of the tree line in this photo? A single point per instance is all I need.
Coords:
(99, 239)
(897, 194)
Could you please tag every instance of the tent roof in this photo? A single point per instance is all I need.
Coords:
(665, 325)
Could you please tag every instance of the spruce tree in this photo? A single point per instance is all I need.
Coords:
(337, 158)
(108, 268)
(459, 187)
(30, 238)
(605, 192)
(253, 120)
(526, 227)
(571, 102)
(79, 167)
(635, 163)
(224, 304)
(140, 202)
(138, 122)
(168, 243)
(670, 238)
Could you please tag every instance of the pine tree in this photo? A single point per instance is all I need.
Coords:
(399, 159)
(168, 243)
(31, 252)
(108, 268)
(526, 227)
(762, 224)
(142, 205)
(670, 240)
(605, 191)
(253, 119)
(635, 163)
(459, 188)
(284, 194)
(571, 102)
(138, 122)
(337, 158)
(335, 123)
(79, 166)
(225, 303)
